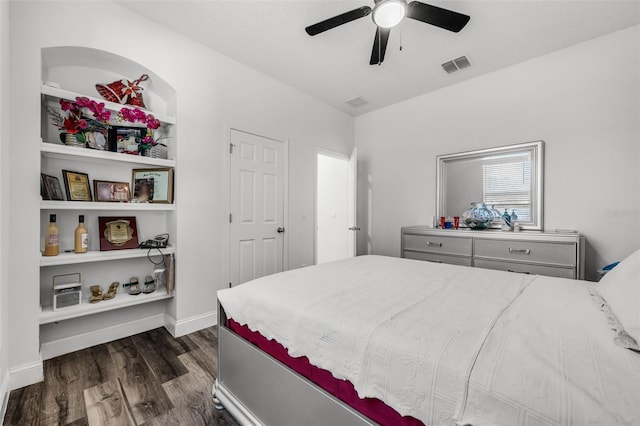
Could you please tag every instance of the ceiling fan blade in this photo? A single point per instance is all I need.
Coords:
(336, 21)
(443, 18)
(379, 45)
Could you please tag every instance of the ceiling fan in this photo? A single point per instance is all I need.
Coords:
(388, 14)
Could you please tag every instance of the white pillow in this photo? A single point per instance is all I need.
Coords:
(620, 287)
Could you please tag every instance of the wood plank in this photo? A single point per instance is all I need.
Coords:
(144, 394)
(159, 356)
(106, 405)
(191, 394)
(207, 340)
(178, 345)
(66, 378)
(23, 407)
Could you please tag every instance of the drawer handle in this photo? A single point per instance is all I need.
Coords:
(518, 272)
(433, 261)
(429, 243)
(519, 251)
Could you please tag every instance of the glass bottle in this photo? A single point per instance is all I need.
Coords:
(52, 238)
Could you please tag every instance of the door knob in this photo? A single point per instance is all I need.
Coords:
(280, 230)
(354, 228)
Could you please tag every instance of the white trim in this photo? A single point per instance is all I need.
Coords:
(4, 393)
(226, 196)
(26, 374)
(328, 153)
(222, 396)
(76, 342)
(191, 324)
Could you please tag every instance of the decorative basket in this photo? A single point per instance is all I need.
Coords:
(159, 151)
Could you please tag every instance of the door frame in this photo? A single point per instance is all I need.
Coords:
(226, 195)
(328, 153)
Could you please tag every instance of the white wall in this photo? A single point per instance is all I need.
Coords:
(332, 208)
(4, 206)
(213, 93)
(583, 101)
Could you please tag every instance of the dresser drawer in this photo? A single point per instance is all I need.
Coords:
(438, 258)
(438, 244)
(525, 268)
(527, 251)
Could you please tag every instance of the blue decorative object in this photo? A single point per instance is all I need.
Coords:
(506, 221)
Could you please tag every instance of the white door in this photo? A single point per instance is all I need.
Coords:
(257, 206)
(336, 228)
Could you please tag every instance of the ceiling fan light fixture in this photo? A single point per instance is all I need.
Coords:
(389, 13)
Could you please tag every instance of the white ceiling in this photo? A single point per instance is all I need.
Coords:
(334, 66)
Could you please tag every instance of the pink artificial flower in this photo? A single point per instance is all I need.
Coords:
(152, 122)
(66, 105)
(148, 140)
(82, 102)
(139, 115)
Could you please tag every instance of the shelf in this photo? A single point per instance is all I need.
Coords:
(64, 152)
(71, 96)
(99, 256)
(122, 300)
(88, 205)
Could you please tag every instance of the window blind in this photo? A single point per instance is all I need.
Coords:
(508, 186)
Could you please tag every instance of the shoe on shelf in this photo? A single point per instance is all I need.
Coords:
(149, 285)
(134, 286)
(96, 294)
(111, 293)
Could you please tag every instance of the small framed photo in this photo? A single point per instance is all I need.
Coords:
(118, 233)
(161, 189)
(116, 192)
(77, 186)
(120, 138)
(50, 188)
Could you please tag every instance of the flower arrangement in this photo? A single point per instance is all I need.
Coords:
(75, 124)
(136, 115)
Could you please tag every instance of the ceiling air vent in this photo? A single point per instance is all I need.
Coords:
(456, 64)
(357, 101)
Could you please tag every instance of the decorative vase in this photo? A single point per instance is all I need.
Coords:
(145, 152)
(70, 139)
(478, 216)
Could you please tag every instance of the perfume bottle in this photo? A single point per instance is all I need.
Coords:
(52, 238)
(81, 237)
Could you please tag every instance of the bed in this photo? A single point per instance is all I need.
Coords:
(437, 344)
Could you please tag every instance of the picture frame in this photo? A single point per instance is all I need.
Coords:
(76, 185)
(119, 134)
(50, 188)
(143, 190)
(162, 183)
(111, 192)
(118, 233)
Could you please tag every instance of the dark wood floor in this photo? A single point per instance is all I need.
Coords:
(150, 378)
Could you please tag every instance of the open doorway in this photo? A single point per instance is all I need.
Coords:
(335, 206)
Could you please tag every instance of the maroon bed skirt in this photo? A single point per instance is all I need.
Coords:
(373, 408)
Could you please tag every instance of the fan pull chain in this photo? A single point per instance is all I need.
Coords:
(400, 28)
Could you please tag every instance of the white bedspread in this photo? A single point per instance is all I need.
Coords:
(534, 350)
(551, 360)
(402, 331)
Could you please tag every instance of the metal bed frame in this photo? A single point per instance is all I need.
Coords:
(257, 389)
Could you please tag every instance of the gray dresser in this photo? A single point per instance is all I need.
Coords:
(528, 252)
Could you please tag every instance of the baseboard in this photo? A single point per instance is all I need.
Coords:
(4, 392)
(25, 375)
(191, 324)
(63, 346)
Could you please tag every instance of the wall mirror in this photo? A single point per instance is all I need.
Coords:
(508, 177)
